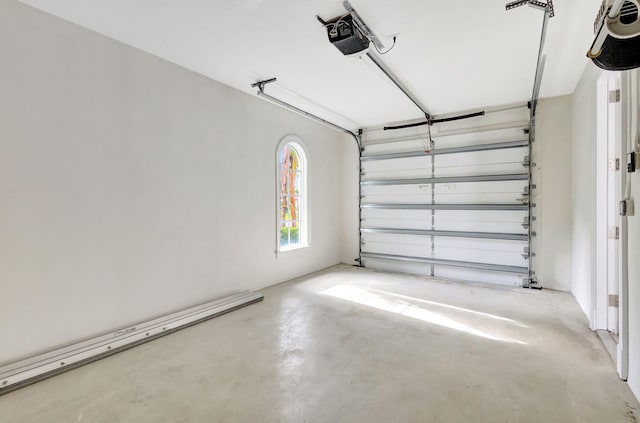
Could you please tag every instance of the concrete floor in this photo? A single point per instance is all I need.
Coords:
(349, 345)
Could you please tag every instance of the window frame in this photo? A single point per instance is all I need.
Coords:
(304, 232)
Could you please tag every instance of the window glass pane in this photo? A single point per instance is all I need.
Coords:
(298, 182)
(283, 154)
(293, 159)
(291, 196)
(296, 214)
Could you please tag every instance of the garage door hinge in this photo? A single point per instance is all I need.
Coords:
(525, 196)
(614, 96)
(614, 164)
(614, 301)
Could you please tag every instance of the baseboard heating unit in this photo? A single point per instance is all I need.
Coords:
(33, 369)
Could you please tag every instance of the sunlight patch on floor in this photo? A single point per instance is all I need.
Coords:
(452, 307)
(400, 304)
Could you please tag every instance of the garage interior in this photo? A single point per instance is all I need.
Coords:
(319, 211)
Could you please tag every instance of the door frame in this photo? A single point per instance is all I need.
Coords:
(600, 309)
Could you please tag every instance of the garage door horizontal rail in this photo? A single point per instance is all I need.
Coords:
(450, 150)
(449, 179)
(454, 234)
(488, 207)
(453, 263)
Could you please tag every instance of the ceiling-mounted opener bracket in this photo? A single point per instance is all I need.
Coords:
(352, 36)
(362, 25)
(540, 5)
(260, 84)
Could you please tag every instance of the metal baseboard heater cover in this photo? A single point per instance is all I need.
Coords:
(30, 370)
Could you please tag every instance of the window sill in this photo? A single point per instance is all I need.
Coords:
(292, 251)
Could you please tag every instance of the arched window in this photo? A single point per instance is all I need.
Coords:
(292, 194)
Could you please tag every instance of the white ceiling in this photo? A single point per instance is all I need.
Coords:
(454, 55)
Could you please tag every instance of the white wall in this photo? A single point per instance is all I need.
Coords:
(583, 168)
(131, 187)
(552, 155)
(634, 253)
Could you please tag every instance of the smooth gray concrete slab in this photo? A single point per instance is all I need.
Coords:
(352, 345)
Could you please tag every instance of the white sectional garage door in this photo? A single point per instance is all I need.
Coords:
(460, 210)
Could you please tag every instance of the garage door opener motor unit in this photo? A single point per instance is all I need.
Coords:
(345, 35)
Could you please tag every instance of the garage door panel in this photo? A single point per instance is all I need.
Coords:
(480, 250)
(475, 138)
(421, 190)
(479, 224)
(480, 215)
(405, 250)
(480, 163)
(401, 247)
(397, 239)
(481, 218)
(455, 193)
(456, 197)
(480, 193)
(446, 272)
(472, 163)
(508, 258)
(484, 276)
(399, 267)
(415, 144)
(482, 158)
(478, 244)
(447, 220)
(420, 224)
(486, 169)
(395, 214)
(411, 194)
(413, 167)
(482, 188)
